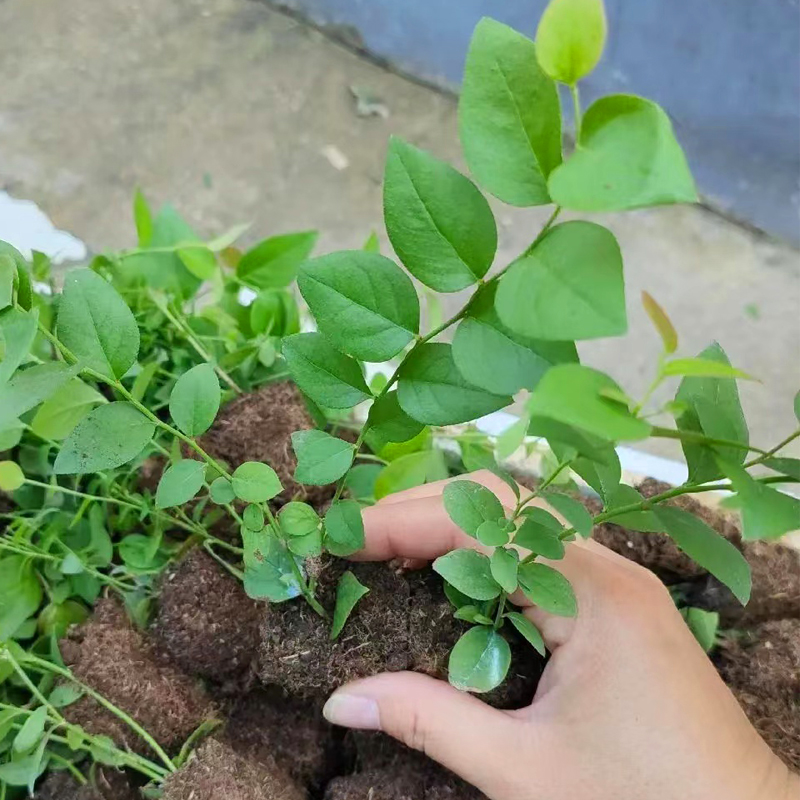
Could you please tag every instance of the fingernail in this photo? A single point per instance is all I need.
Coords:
(352, 711)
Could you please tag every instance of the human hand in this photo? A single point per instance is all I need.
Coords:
(629, 706)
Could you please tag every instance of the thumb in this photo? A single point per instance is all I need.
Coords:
(456, 729)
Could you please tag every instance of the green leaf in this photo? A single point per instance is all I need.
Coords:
(308, 546)
(389, 423)
(344, 528)
(539, 533)
(108, 437)
(362, 302)
(663, 324)
(273, 263)
(570, 393)
(255, 482)
(221, 491)
(11, 476)
(548, 589)
(24, 771)
(199, 260)
(704, 625)
(17, 332)
(528, 630)
(469, 505)
(11, 435)
(20, 594)
(58, 416)
(71, 565)
(566, 441)
(471, 613)
(570, 38)
(103, 750)
(710, 550)
(712, 409)
(438, 222)
(327, 376)
(95, 323)
(504, 565)
(495, 358)
(8, 272)
(628, 157)
(144, 379)
(797, 406)
(348, 592)
(573, 511)
(31, 732)
(492, 532)
(360, 482)
(786, 466)
(509, 116)
(142, 218)
(469, 572)
(65, 695)
(30, 387)
(321, 458)
(642, 521)
(298, 519)
(372, 245)
(569, 287)
(433, 391)
(253, 518)
(703, 367)
(479, 661)
(180, 483)
(766, 512)
(512, 438)
(407, 471)
(195, 399)
(268, 572)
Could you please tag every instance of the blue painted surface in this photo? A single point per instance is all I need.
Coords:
(727, 71)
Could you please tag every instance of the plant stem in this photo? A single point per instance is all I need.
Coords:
(501, 607)
(62, 672)
(83, 495)
(187, 333)
(70, 767)
(542, 486)
(691, 436)
(769, 453)
(576, 106)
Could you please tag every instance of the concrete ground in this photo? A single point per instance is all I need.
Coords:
(236, 112)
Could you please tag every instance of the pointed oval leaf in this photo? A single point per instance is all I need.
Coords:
(570, 393)
(712, 408)
(108, 437)
(479, 661)
(321, 458)
(412, 469)
(58, 416)
(469, 505)
(11, 476)
(31, 732)
(628, 158)
(95, 323)
(326, 375)
(528, 630)
(570, 38)
(389, 423)
(539, 533)
(363, 302)
(509, 118)
(710, 550)
(704, 368)
(504, 565)
(469, 572)
(344, 528)
(31, 386)
(548, 589)
(298, 519)
(195, 399)
(495, 358)
(273, 263)
(180, 483)
(573, 511)
(438, 222)
(255, 482)
(569, 287)
(348, 592)
(433, 391)
(268, 572)
(20, 594)
(17, 332)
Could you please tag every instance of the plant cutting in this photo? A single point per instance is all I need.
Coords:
(117, 388)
